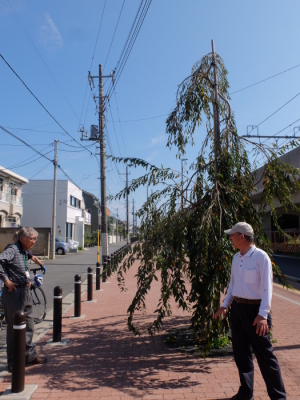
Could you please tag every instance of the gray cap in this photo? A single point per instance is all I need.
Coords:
(241, 227)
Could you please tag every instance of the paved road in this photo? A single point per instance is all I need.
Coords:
(289, 266)
(62, 270)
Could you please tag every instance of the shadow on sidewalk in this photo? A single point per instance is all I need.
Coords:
(104, 354)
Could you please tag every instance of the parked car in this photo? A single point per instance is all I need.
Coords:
(61, 247)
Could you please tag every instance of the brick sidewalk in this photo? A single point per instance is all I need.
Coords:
(103, 360)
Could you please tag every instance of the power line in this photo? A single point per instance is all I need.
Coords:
(141, 119)
(39, 171)
(130, 41)
(120, 121)
(19, 165)
(92, 65)
(266, 79)
(48, 112)
(114, 33)
(44, 62)
(275, 112)
(26, 144)
(114, 129)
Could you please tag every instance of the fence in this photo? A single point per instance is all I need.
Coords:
(287, 243)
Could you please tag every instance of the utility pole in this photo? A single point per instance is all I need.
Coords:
(104, 236)
(117, 228)
(100, 138)
(54, 200)
(216, 110)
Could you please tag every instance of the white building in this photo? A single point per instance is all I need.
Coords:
(11, 208)
(71, 216)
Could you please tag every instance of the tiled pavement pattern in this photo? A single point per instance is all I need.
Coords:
(102, 360)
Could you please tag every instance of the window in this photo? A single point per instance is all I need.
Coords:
(1, 184)
(69, 231)
(12, 221)
(13, 189)
(74, 202)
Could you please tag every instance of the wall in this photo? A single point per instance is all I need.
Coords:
(91, 203)
(38, 206)
(41, 246)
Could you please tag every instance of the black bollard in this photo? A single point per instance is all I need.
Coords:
(19, 347)
(77, 295)
(108, 271)
(90, 284)
(111, 265)
(104, 271)
(57, 314)
(98, 274)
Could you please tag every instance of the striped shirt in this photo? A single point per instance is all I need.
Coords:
(13, 264)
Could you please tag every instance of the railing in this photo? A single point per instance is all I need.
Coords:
(87, 217)
(5, 197)
(287, 243)
(17, 200)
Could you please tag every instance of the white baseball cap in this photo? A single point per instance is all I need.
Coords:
(241, 227)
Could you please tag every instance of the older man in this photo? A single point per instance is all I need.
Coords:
(16, 294)
(249, 294)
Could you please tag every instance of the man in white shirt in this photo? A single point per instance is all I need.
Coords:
(250, 294)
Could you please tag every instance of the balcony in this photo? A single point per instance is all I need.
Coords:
(4, 197)
(16, 200)
(87, 217)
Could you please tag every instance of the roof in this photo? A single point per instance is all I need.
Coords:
(6, 171)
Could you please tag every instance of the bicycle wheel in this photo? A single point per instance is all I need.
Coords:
(39, 304)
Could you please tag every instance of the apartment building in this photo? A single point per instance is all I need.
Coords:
(72, 218)
(11, 202)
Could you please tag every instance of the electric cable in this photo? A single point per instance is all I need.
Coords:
(44, 62)
(91, 66)
(114, 33)
(114, 129)
(275, 112)
(120, 122)
(22, 164)
(130, 41)
(40, 101)
(39, 171)
(266, 79)
(28, 145)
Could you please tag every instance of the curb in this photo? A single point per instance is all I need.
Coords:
(43, 328)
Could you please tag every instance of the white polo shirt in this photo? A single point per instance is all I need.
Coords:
(252, 279)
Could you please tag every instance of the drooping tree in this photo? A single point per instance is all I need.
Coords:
(185, 247)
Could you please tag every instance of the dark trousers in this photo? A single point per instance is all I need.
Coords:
(244, 340)
(12, 302)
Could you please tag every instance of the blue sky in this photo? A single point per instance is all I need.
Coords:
(256, 39)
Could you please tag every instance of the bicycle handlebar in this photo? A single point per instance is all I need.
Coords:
(34, 270)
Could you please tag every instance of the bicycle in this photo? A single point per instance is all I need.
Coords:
(39, 301)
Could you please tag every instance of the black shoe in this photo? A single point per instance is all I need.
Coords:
(239, 396)
(37, 360)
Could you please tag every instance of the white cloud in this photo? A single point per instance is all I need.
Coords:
(49, 34)
(152, 156)
(158, 139)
